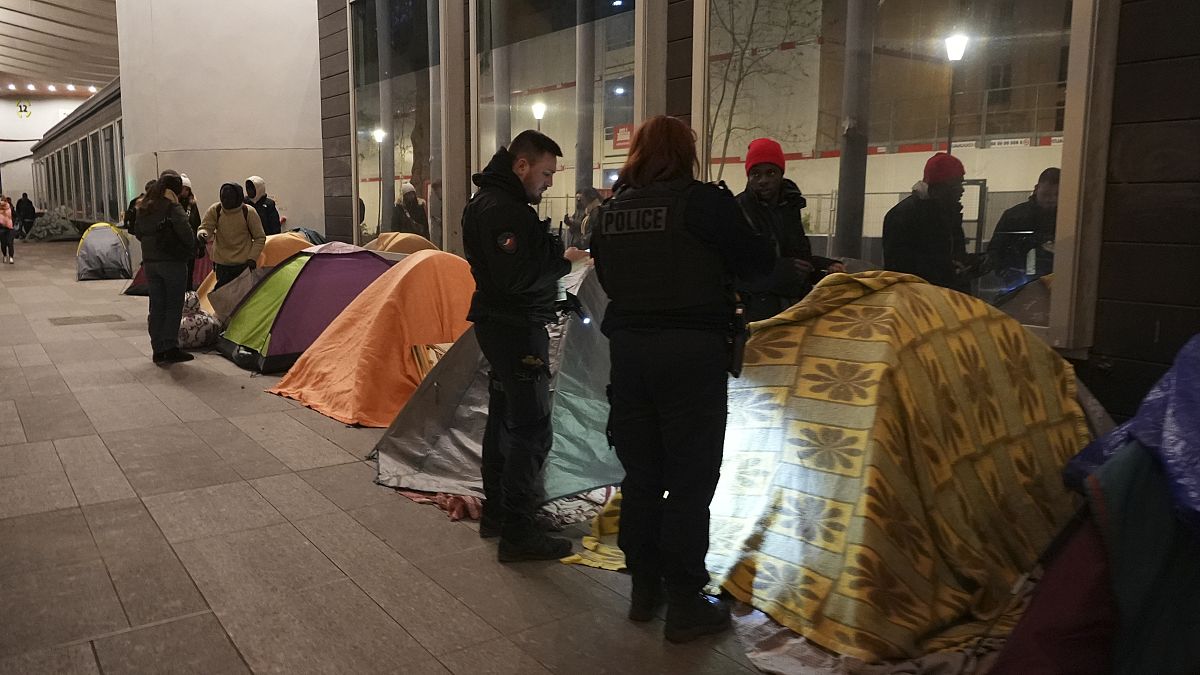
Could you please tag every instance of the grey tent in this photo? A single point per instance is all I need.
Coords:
(434, 444)
(103, 253)
(53, 226)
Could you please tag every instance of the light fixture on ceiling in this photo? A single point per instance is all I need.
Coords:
(70, 87)
(12, 87)
(52, 88)
(92, 89)
(30, 87)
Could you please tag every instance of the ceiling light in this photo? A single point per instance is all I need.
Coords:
(92, 89)
(12, 87)
(30, 87)
(52, 88)
(70, 87)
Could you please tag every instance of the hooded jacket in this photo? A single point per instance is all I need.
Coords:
(25, 209)
(256, 196)
(515, 260)
(164, 232)
(782, 223)
(924, 237)
(238, 233)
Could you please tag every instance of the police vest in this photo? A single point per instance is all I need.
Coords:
(646, 258)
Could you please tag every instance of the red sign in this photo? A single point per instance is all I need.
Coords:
(622, 136)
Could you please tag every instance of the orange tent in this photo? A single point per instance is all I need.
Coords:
(400, 242)
(362, 369)
(279, 247)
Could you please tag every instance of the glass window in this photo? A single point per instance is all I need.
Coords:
(775, 69)
(565, 68)
(397, 117)
(85, 165)
(112, 206)
(69, 170)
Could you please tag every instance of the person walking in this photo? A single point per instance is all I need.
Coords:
(516, 263)
(26, 214)
(161, 225)
(7, 223)
(667, 249)
(237, 234)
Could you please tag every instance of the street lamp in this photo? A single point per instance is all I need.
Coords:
(379, 135)
(539, 111)
(956, 48)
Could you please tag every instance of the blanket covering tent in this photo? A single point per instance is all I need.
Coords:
(103, 253)
(400, 242)
(362, 369)
(53, 225)
(282, 316)
(434, 444)
(891, 467)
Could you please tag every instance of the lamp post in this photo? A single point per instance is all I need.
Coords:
(539, 111)
(956, 47)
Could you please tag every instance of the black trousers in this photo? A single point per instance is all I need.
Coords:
(6, 241)
(667, 423)
(227, 273)
(518, 434)
(168, 283)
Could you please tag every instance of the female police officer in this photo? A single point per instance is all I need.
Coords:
(667, 248)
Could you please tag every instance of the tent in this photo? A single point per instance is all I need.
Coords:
(295, 302)
(434, 444)
(400, 242)
(364, 368)
(103, 253)
(53, 226)
(314, 237)
(279, 247)
(200, 271)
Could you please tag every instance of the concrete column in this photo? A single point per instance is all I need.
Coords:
(856, 113)
(222, 90)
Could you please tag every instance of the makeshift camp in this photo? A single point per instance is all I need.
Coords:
(1120, 595)
(362, 370)
(400, 242)
(434, 444)
(201, 270)
(279, 247)
(103, 253)
(53, 225)
(314, 237)
(295, 302)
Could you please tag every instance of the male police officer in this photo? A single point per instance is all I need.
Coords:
(667, 249)
(516, 263)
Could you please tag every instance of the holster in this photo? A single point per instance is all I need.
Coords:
(738, 335)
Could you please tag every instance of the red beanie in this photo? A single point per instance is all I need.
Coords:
(764, 151)
(942, 168)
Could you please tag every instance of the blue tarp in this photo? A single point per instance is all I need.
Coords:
(1168, 425)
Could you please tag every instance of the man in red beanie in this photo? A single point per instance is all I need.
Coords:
(923, 234)
(773, 204)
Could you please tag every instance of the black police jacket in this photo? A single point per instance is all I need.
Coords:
(515, 260)
(667, 254)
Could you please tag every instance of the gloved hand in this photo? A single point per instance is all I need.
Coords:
(251, 264)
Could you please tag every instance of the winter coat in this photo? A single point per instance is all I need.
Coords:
(414, 220)
(25, 209)
(238, 234)
(6, 216)
(164, 233)
(923, 237)
(1023, 228)
(782, 223)
(268, 213)
(515, 260)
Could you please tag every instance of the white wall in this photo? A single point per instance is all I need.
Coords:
(43, 114)
(221, 90)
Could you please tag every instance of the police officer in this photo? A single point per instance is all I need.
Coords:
(516, 263)
(667, 249)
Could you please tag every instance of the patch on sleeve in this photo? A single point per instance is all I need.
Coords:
(507, 242)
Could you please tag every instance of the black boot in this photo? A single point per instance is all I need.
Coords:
(646, 598)
(176, 355)
(693, 616)
(491, 521)
(521, 539)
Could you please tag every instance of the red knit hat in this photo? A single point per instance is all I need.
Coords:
(764, 151)
(942, 168)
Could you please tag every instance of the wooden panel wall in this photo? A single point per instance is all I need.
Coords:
(1148, 302)
(335, 118)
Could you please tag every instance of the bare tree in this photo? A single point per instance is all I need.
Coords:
(755, 30)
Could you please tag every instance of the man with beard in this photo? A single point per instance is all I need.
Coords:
(923, 234)
(1022, 247)
(773, 204)
(516, 263)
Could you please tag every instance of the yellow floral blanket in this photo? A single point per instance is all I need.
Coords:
(892, 467)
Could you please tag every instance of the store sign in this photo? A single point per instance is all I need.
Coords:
(24, 110)
(1009, 143)
(622, 136)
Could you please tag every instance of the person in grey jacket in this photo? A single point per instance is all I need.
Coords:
(168, 244)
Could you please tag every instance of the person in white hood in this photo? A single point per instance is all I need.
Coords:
(256, 196)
